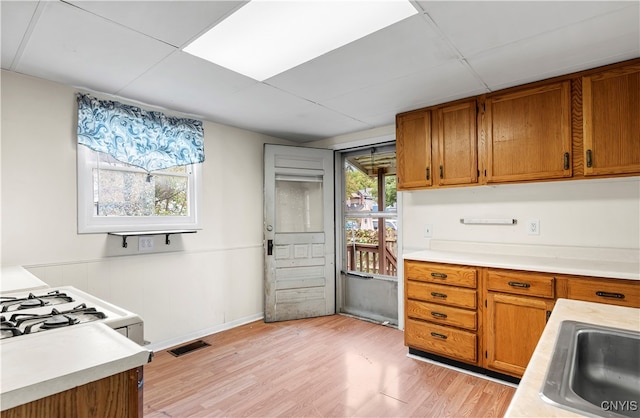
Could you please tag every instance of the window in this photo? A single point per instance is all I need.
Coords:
(370, 188)
(116, 197)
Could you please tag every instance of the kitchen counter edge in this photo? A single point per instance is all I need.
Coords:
(44, 364)
(553, 265)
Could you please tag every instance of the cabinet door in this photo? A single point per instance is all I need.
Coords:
(456, 144)
(514, 326)
(529, 134)
(611, 121)
(413, 150)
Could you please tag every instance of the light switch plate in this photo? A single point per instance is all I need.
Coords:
(428, 230)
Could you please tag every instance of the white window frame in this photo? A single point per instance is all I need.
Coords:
(89, 223)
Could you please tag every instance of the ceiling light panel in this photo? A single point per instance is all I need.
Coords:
(267, 37)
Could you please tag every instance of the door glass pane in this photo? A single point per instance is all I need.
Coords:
(299, 205)
(370, 186)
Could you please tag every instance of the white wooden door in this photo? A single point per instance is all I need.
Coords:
(299, 279)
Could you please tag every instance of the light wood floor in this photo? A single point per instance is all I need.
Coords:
(333, 366)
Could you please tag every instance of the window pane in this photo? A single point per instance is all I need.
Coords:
(130, 193)
(299, 206)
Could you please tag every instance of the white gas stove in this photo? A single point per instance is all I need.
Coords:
(38, 310)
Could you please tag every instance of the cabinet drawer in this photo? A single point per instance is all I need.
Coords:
(445, 341)
(446, 295)
(440, 314)
(610, 291)
(521, 283)
(441, 274)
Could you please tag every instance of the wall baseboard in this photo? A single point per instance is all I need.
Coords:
(162, 345)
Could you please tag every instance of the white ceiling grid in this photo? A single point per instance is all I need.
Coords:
(450, 50)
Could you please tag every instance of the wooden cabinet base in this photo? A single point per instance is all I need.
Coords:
(115, 396)
(462, 365)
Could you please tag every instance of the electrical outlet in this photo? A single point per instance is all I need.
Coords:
(428, 230)
(533, 227)
(145, 244)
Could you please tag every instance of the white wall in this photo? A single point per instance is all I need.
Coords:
(206, 281)
(580, 213)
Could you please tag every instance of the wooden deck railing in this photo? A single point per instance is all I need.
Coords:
(365, 258)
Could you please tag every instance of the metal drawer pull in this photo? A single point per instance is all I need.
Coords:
(441, 336)
(610, 295)
(439, 275)
(438, 295)
(439, 315)
(519, 284)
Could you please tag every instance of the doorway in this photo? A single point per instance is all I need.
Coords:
(367, 216)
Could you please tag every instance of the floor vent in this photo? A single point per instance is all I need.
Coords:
(181, 351)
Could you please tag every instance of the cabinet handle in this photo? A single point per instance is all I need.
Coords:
(438, 295)
(566, 160)
(439, 315)
(610, 295)
(441, 336)
(439, 275)
(428, 172)
(519, 284)
(589, 158)
(548, 316)
(441, 172)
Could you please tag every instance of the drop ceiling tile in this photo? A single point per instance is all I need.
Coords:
(77, 48)
(475, 26)
(174, 22)
(16, 16)
(598, 41)
(187, 84)
(265, 109)
(379, 104)
(392, 52)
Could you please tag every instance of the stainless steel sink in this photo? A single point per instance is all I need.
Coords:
(595, 371)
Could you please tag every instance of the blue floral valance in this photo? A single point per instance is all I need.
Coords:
(150, 140)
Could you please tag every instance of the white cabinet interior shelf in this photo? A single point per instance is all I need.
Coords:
(125, 235)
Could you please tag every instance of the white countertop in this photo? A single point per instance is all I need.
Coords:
(17, 279)
(41, 364)
(617, 269)
(526, 401)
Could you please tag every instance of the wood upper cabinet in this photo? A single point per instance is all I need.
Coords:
(528, 134)
(455, 144)
(611, 121)
(413, 150)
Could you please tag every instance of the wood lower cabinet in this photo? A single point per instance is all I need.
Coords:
(600, 290)
(513, 326)
(611, 121)
(441, 310)
(518, 305)
(492, 318)
(117, 396)
(528, 134)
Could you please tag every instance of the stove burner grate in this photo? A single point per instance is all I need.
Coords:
(33, 301)
(26, 323)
